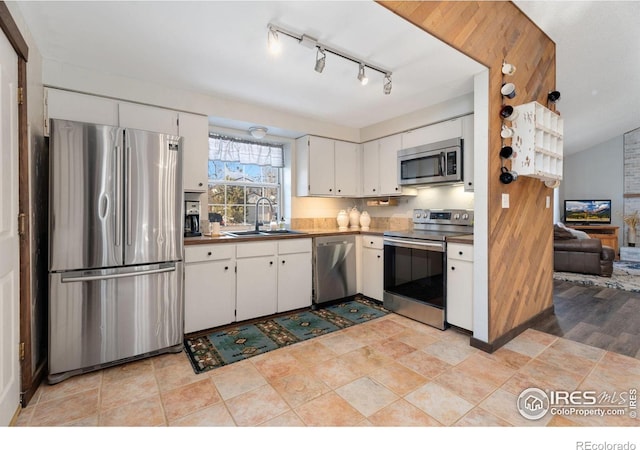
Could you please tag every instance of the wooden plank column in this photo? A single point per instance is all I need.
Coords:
(520, 285)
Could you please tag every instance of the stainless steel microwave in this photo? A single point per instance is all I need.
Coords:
(440, 162)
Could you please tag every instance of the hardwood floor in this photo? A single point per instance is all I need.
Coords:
(601, 317)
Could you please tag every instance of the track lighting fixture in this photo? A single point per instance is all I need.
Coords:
(361, 76)
(320, 60)
(387, 84)
(273, 42)
(321, 51)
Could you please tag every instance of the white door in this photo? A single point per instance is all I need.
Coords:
(9, 246)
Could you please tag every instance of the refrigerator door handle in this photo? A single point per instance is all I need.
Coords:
(75, 279)
(128, 200)
(118, 188)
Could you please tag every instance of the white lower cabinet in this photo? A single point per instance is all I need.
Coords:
(256, 280)
(209, 288)
(460, 285)
(294, 274)
(372, 267)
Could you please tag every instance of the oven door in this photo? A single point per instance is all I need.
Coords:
(415, 279)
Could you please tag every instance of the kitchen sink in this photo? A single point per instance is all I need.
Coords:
(250, 233)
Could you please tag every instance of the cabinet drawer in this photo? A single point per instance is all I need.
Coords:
(372, 242)
(286, 246)
(463, 252)
(252, 249)
(213, 252)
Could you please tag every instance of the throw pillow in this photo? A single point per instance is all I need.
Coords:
(561, 234)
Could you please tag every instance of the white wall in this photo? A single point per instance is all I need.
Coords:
(596, 173)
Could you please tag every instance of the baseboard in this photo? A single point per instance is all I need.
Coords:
(490, 347)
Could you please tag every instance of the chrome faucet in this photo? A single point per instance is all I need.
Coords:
(270, 210)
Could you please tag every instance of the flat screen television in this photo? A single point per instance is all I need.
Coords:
(587, 212)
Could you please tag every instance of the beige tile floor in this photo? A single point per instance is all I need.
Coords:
(391, 371)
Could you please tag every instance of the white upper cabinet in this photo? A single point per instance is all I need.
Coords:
(194, 130)
(432, 133)
(148, 118)
(326, 167)
(467, 155)
(388, 150)
(347, 168)
(79, 107)
(380, 167)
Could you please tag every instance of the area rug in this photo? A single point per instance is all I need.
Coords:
(239, 342)
(626, 276)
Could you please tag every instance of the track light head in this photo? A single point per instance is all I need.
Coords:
(386, 87)
(361, 76)
(273, 42)
(320, 60)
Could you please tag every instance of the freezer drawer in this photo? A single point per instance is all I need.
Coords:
(98, 317)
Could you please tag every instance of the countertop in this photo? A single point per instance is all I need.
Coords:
(466, 239)
(200, 240)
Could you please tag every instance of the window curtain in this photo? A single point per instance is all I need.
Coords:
(222, 148)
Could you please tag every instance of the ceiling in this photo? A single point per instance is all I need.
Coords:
(220, 48)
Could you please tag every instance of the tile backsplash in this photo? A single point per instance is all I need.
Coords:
(330, 223)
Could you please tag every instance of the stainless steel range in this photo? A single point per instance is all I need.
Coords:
(415, 264)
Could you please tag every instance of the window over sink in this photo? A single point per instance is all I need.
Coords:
(240, 171)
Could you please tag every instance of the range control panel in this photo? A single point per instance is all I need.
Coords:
(443, 216)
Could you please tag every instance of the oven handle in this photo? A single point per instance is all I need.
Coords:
(421, 245)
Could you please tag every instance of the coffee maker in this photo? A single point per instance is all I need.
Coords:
(192, 219)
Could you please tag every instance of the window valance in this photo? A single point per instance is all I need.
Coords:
(230, 149)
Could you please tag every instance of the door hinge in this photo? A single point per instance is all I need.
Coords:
(20, 96)
(22, 224)
(21, 351)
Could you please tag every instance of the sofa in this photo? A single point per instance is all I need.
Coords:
(573, 252)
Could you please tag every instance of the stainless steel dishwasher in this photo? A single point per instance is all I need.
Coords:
(334, 268)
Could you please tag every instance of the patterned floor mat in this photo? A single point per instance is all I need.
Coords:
(238, 342)
(626, 276)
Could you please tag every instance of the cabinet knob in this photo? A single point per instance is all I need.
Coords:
(453, 268)
(371, 242)
(226, 267)
(208, 253)
(283, 261)
(460, 253)
(374, 189)
(339, 190)
(378, 256)
(200, 184)
(330, 190)
(396, 188)
(271, 263)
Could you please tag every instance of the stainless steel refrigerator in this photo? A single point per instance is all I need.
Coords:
(115, 246)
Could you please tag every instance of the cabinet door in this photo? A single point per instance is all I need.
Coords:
(371, 168)
(149, 118)
(460, 293)
(467, 155)
(194, 130)
(294, 281)
(372, 273)
(347, 169)
(80, 108)
(432, 133)
(389, 147)
(321, 166)
(256, 287)
(209, 295)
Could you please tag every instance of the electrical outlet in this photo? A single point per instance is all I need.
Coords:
(548, 202)
(505, 200)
